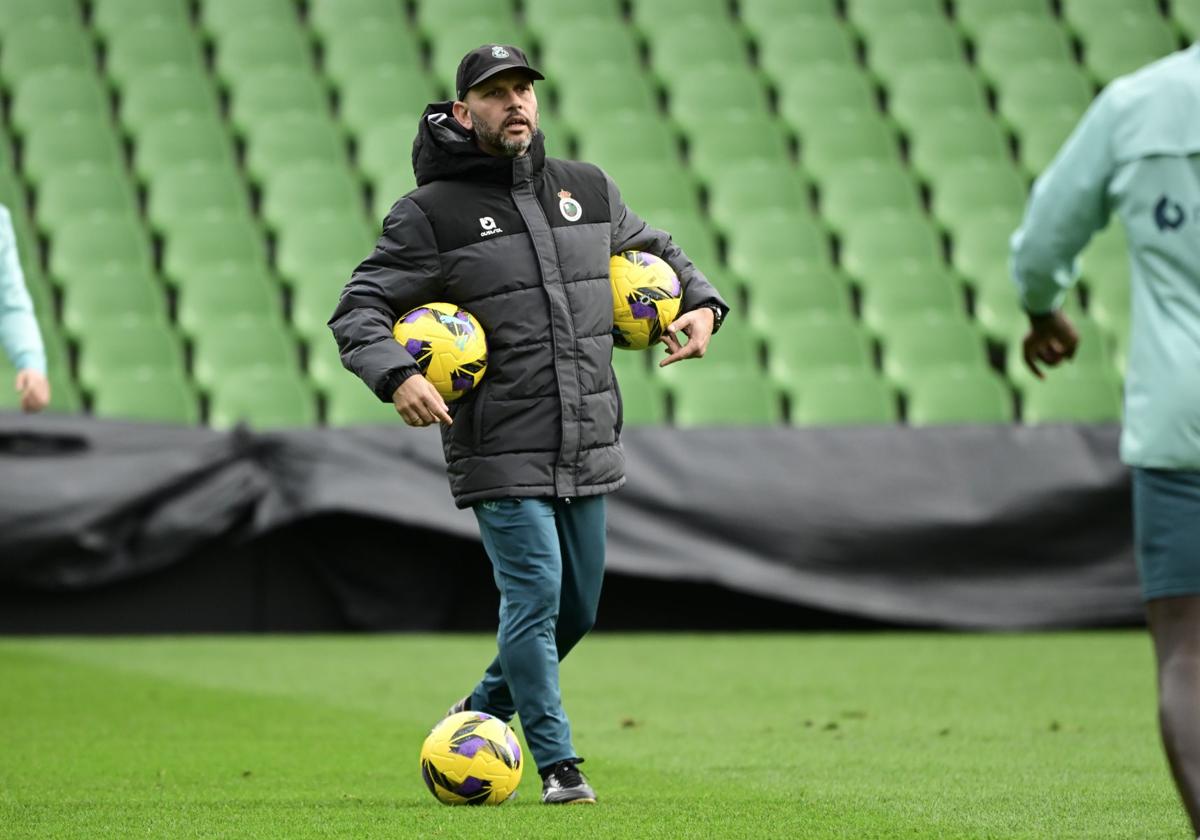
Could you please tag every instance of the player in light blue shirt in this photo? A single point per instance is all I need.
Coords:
(1136, 154)
(18, 329)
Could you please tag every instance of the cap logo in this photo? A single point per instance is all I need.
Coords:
(570, 208)
(499, 52)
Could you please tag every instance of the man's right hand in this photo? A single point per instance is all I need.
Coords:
(419, 403)
(1051, 339)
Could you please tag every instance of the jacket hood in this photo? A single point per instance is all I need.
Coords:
(445, 151)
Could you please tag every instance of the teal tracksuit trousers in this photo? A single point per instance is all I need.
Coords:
(548, 560)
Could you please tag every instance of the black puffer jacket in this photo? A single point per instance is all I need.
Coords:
(497, 237)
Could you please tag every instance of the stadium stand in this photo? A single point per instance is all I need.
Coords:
(193, 180)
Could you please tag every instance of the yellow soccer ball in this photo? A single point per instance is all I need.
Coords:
(471, 759)
(449, 345)
(646, 297)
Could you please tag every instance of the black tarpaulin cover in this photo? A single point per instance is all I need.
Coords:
(981, 526)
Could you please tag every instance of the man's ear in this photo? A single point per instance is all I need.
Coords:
(463, 115)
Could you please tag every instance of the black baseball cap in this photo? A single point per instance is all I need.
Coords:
(484, 62)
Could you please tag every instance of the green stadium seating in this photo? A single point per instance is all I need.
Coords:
(435, 17)
(955, 137)
(379, 94)
(808, 100)
(160, 396)
(14, 13)
(113, 18)
(275, 91)
(648, 187)
(614, 95)
(958, 397)
(389, 189)
(322, 248)
(262, 399)
(921, 343)
(1012, 42)
(250, 50)
(844, 137)
(874, 17)
(781, 292)
(591, 42)
(49, 96)
(387, 146)
(800, 345)
(979, 242)
(1186, 14)
(170, 91)
(764, 240)
(1123, 44)
(448, 44)
(220, 17)
(998, 305)
(722, 395)
(695, 40)
(642, 402)
(112, 348)
(209, 241)
(235, 293)
(330, 187)
(559, 138)
(71, 142)
(110, 295)
(911, 41)
(912, 291)
(755, 187)
(739, 137)
(625, 137)
(1088, 16)
(360, 47)
(541, 16)
(1042, 138)
(227, 346)
(40, 44)
(325, 368)
(715, 89)
(654, 17)
(348, 402)
(139, 47)
(977, 186)
(312, 305)
(181, 139)
(876, 241)
(1026, 93)
(1082, 398)
(178, 195)
(977, 15)
(331, 18)
(289, 140)
(71, 195)
(690, 231)
(842, 397)
(919, 94)
(78, 251)
(867, 186)
(793, 45)
(761, 16)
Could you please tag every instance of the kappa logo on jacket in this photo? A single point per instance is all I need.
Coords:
(489, 226)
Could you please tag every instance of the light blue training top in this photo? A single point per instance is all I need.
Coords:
(18, 330)
(1136, 152)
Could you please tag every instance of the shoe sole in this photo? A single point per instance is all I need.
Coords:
(580, 801)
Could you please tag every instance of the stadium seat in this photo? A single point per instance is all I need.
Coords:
(784, 290)
(793, 45)
(873, 17)
(875, 241)
(169, 91)
(799, 345)
(762, 15)
(1091, 15)
(369, 45)
(724, 395)
(348, 402)
(263, 399)
(71, 195)
(324, 365)
(921, 343)
(1026, 93)
(112, 18)
(116, 294)
(220, 17)
(762, 240)
(72, 142)
(696, 40)
(624, 137)
(49, 96)
(842, 397)
(956, 397)
(919, 94)
(136, 48)
(652, 17)
(1043, 137)
(740, 137)
(955, 137)
(647, 187)
(389, 189)
(275, 91)
(227, 346)
(844, 137)
(387, 146)
(1121, 45)
(286, 141)
(85, 247)
(975, 186)
(109, 349)
(1011, 42)
(449, 44)
(178, 195)
(13, 13)
(165, 145)
(979, 242)
(40, 44)
(435, 16)
(160, 396)
(323, 248)
(312, 304)
(330, 188)
(1084, 398)
(377, 95)
(542, 15)
(234, 292)
(998, 305)
(1186, 14)
(690, 231)
(976, 15)
(868, 186)
(910, 291)
(333, 17)
(715, 89)
(642, 401)
(256, 47)
(807, 100)
(591, 42)
(209, 241)
(911, 41)
(756, 187)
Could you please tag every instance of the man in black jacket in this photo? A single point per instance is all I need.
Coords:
(521, 241)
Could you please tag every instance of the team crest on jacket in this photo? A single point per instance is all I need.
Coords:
(570, 208)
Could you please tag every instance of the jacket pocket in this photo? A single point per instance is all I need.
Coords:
(620, 405)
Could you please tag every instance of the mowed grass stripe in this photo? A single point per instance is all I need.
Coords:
(872, 735)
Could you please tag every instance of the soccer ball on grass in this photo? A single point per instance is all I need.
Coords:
(471, 758)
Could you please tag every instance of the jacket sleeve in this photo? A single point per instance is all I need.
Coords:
(403, 272)
(1068, 204)
(19, 331)
(631, 233)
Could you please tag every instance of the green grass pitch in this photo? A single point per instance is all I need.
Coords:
(686, 736)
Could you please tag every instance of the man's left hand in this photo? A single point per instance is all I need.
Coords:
(697, 325)
(34, 389)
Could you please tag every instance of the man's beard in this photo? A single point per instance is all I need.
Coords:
(497, 139)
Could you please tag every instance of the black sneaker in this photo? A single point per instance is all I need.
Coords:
(463, 705)
(563, 784)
